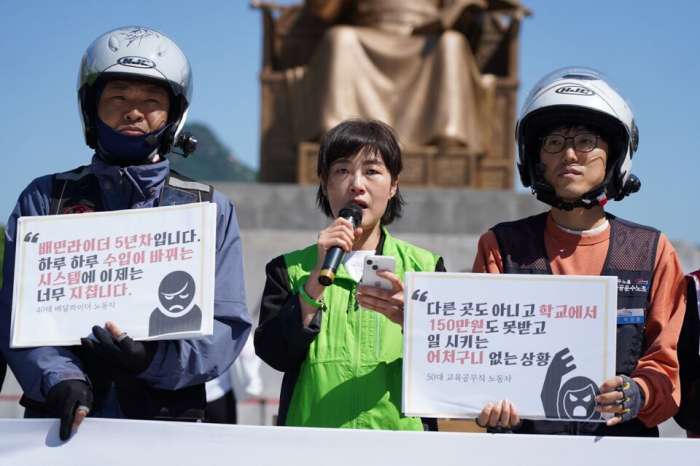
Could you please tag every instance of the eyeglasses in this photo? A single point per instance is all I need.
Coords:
(583, 142)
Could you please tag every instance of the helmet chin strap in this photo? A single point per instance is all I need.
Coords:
(559, 203)
(595, 197)
(546, 193)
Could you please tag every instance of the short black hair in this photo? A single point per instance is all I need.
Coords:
(347, 139)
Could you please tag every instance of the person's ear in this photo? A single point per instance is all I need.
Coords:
(394, 187)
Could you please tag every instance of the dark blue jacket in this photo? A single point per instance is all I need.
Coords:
(177, 363)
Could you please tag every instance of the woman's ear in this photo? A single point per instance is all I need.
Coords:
(394, 187)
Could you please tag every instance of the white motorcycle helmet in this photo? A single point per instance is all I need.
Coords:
(143, 53)
(578, 96)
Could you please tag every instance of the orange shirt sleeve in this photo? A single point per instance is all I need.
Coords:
(488, 255)
(657, 369)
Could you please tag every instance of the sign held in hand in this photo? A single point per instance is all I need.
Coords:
(543, 342)
(149, 270)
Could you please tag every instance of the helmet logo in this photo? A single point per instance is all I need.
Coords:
(136, 62)
(574, 90)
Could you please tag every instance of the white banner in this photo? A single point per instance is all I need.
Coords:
(108, 442)
(151, 271)
(543, 342)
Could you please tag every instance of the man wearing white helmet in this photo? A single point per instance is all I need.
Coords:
(134, 90)
(576, 137)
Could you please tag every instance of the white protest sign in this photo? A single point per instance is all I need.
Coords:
(151, 271)
(543, 342)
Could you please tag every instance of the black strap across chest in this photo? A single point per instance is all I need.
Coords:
(78, 191)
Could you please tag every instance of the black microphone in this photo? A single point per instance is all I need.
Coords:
(334, 256)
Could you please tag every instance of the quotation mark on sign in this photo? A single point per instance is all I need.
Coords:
(29, 238)
(417, 296)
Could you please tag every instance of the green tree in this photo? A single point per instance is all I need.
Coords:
(212, 161)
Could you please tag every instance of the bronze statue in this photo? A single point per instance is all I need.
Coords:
(443, 73)
(401, 62)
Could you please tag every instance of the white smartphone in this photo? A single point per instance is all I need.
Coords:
(374, 264)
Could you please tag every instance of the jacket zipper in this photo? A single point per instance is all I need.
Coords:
(378, 333)
(358, 346)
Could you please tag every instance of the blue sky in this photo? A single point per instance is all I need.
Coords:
(649, 49)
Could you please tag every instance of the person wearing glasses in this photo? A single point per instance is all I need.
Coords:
(576, 137)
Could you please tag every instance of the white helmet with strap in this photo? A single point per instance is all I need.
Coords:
(578, 96)
(142, 53)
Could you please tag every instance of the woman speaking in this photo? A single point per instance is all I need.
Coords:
(340, 346)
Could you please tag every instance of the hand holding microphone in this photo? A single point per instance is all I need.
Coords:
(332, 243)
(341, 237)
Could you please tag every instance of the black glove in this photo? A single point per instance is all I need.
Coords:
(123, 352)
(64, 398)
(632, 400)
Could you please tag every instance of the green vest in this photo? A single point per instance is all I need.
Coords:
(351, 377)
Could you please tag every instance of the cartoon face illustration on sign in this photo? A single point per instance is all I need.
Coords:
(177, 311)
(176, 292)
(577, 399)
(573, 399)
